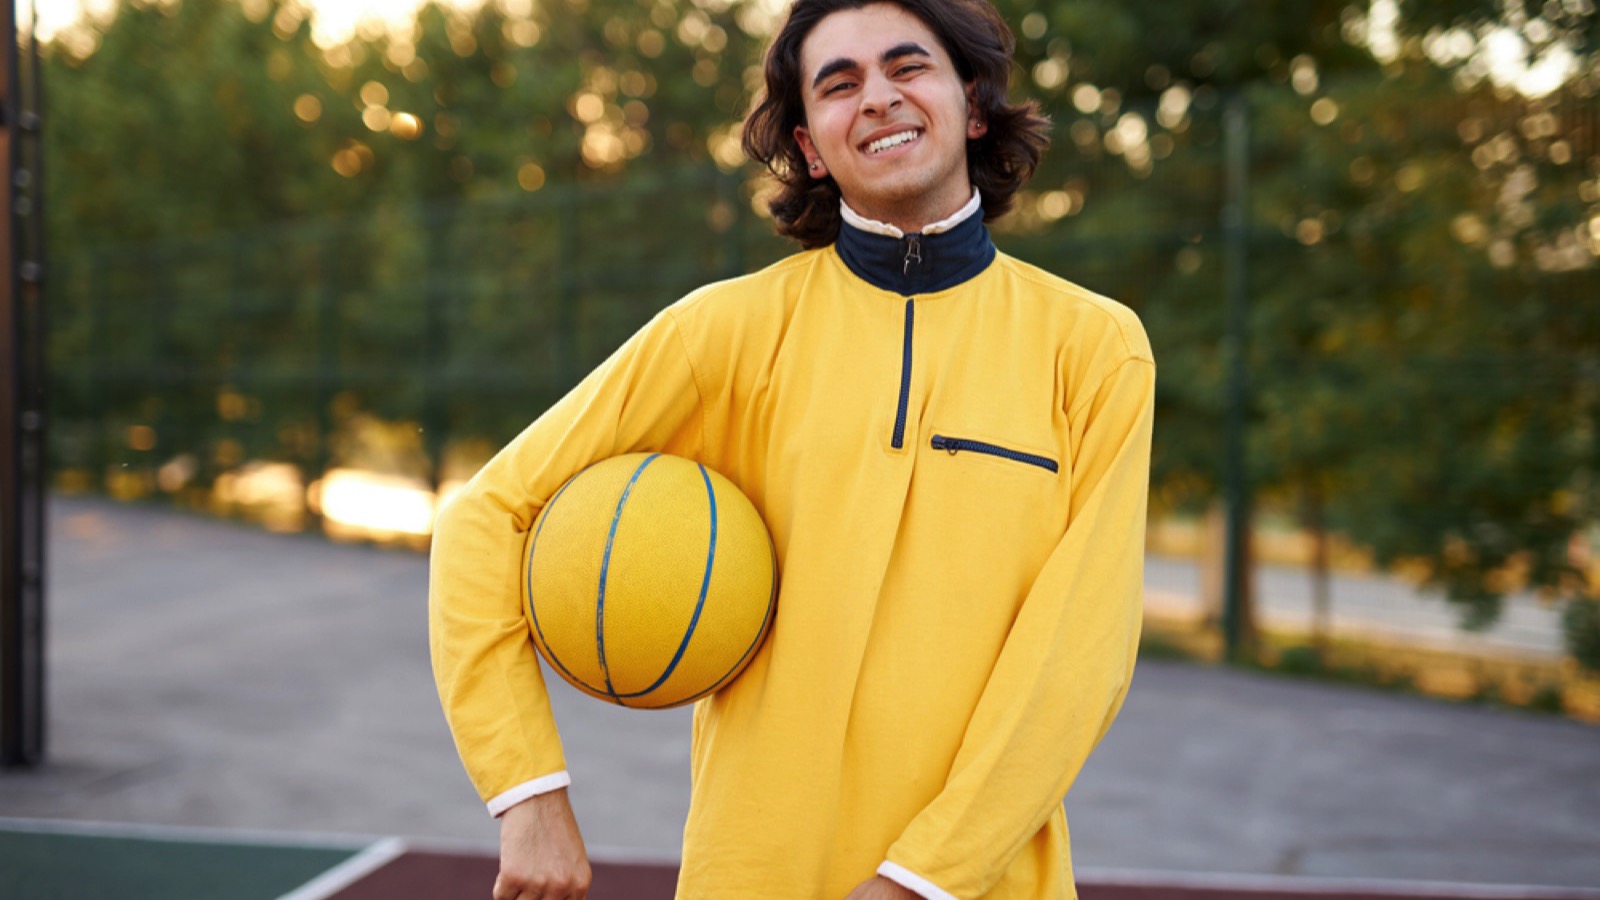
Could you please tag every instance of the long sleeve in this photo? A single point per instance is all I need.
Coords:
(1064, 667)
(644, 397)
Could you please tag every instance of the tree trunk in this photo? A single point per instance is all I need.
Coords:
(1213, 556)
(1315, 519)
(1249, 627)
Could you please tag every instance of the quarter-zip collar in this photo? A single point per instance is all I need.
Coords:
(917, 263)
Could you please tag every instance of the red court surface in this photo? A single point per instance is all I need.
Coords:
(425, 875)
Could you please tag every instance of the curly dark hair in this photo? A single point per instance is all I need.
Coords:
(979, 44)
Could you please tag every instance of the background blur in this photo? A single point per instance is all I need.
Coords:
(311, 269)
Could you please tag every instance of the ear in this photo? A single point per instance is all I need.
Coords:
(815, 167)
(976, 126)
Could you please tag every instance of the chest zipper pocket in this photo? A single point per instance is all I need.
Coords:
(957, 445)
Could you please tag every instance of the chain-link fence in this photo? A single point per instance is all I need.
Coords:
(1418, 286)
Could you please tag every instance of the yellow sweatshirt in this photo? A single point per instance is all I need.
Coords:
(951, 450)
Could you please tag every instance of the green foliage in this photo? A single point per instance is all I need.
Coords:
(178, 124)
(260, 237)
(1582, 623)
(1437, 395)
(1548, 698)
(1300, 660)
(255, 238)
(1423, 317)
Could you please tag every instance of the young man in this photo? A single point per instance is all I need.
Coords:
(950, 449)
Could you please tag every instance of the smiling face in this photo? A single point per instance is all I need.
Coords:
(887, 116)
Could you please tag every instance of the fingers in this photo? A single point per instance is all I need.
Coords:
(551, 889)
(549, 886)
(542, 856)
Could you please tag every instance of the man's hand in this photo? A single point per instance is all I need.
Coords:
(541, 852)
(881, 888)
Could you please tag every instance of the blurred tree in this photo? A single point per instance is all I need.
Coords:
(184, 121)
(171, 124)
(214, 119)
(584, 138)
(481, 204)
(1423, 269)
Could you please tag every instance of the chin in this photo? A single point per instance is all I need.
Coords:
(903, 188)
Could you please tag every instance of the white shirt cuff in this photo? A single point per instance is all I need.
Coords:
(543, 785)
(912, 881)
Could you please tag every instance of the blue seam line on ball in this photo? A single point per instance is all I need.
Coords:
(549, 651)
(705, 588)
(772, 604)
(605, 567)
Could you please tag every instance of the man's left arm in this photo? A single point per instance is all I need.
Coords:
(1065, 666)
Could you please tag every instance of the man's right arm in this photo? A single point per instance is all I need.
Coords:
(645, 397)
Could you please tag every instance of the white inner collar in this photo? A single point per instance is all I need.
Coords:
(873, 226)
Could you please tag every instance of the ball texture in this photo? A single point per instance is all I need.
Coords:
(650, 581)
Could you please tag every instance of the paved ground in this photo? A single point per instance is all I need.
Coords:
(1370, 605)
(206, 674)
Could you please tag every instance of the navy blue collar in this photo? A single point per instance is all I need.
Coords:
(917, 263)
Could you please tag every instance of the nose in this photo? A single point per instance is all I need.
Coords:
(879, 95)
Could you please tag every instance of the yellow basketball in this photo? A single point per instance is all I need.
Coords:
(649, 580)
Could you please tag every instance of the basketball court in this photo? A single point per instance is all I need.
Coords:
(261, 704)
(44, 860)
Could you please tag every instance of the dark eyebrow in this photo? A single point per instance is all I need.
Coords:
(909, 48)
(842, 64)
(834, 65)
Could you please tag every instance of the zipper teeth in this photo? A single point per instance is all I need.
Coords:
(940, 442)
(905, 382)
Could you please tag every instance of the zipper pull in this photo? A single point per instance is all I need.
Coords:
(940, 442)
(913, 252)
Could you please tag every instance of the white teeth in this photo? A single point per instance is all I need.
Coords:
(893, 140)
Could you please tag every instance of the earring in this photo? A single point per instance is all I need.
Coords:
(815, 165)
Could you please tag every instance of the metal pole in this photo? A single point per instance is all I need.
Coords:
(567, 289)
(22, 410)
(438, 229)
(1236, 227)
(327, 366)
(729, 183)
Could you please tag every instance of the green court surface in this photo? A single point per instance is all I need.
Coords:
(47, 860)
(41, 860)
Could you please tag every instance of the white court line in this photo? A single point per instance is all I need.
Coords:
(349, 872)
(1332, 886)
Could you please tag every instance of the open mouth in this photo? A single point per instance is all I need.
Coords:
(893, 141)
